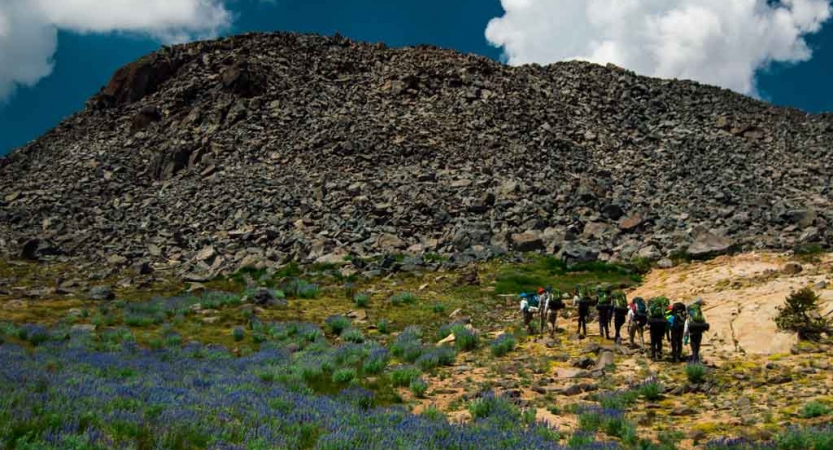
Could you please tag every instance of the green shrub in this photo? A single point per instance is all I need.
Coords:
(801, 314)
(383, 326)
(361, 300)
(815, 409)
(345, 375)
(418, 387)
(373, 366)
(651, 391)
(696, 372)
(352, 335)
(298, 288)
(402, 376)
(238, 333)
(464, 339)
(173, 340)
(434, 413)
(439, 308)
(504, 344)
(337, 324)
(490, 405)
(403, 298)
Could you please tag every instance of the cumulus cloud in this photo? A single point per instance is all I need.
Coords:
(721, 42)
(29, 28)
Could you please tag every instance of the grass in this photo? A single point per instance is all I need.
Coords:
(550, 271)
(696, 373)
(503, 344)
(815, 409)
(403, 376)
(403, 298)
(418, 387)
(361, 300)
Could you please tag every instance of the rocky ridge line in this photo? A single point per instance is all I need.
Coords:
(259, 149)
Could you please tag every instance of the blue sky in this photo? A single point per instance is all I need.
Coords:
(84, 62)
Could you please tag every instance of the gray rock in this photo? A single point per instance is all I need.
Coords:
(708, 244)
(101, 293)
(573, 253)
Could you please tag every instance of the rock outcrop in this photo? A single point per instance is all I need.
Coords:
(280, 147)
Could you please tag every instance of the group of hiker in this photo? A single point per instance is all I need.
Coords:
(681, 324)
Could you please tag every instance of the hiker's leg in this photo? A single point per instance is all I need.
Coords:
(696, 340)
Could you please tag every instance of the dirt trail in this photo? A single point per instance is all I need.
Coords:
(742, 293)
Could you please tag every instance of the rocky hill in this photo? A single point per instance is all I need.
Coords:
(264, 148)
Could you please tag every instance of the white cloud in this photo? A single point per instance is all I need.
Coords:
(721, 42)
(29, 28)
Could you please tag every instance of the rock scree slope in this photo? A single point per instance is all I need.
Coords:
(278, 147)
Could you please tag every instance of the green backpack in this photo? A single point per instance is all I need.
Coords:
(603, 299)
(695, 313)
(657, 307)
(620, 301)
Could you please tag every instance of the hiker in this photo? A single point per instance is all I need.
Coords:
(543, 298)
(620, 313)
(695, 325)
(553, 305)
(605, 309)
(582, 301)
(657, 324)
(679, 315)
(637, 319)
(529, 306)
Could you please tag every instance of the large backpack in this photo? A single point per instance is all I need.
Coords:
(680, 314)
(620, 301)
(695, 313)
(657, 307)
(641, 307)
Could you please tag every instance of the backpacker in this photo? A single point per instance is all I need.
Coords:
(695, 313)
(620, 302)
(657, 307)
(641, 309)
(697, 322)
(556, 302)
(678, 311)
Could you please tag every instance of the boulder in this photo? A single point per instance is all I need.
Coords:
(36, 249)
(529, 241)
(573, 253)
(792, 268)
(101, 293)
(708, 244)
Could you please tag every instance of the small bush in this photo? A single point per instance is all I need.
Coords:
(696, 373)
(361, 300)
(337, 324)
(402, 376)
(345, 375)
(801, 314)
(383, 326)
(439, 308)
(173, 340)
(815, 409)
(464, 339)
(418, 387)
(651, 391)
(376, 361)
(238, 333)
(805, 439)
(298, 288)
(490, 405)
(434, 413)
(352, 335)
(442, 356)
(403, 298)
(504, 344)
